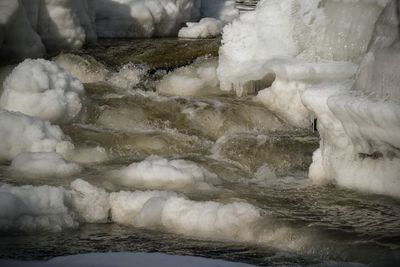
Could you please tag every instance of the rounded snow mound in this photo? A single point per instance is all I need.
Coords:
(205, 28)
(43, 89)
(20, 133)
(160, 173)
(43, 164)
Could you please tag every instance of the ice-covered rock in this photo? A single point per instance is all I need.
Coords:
(205, 28)
(199, 78)
(359, 123)
(309, 35)
(43, 89)
(21, 133)
(38, 164)
(90, 202)
(160, 173)
(35, 208)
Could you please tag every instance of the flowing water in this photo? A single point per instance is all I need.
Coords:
(256, 156)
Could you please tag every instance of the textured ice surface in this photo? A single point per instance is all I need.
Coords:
(21, 133)
(205, 28)
(29, 27)
(309, 33)
(160, 173)
(41, 88)
(49, 164)
(199, 78)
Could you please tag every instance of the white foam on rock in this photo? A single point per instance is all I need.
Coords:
(43, 89)
(199, 78)
(41, 164)
(21, 133)
(161, 173)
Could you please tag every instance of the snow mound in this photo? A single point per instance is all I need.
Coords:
(210, 220)
(160, 173)
(205, 28)
(43, 164)
(21, 133)
(200, 78)
(35, 208)
(90, 202)
(41, 88)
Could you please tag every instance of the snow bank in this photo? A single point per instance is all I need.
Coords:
(160, 173)
(205, 28)
(41, 88)
(294, 32)
(29, 28)
(200, 78)
(143, 18)
(21, 133)
(43, 164)
(35, 208)
(18, 40)
(124, 259)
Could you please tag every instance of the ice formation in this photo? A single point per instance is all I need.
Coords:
(199, 78)
(160, 173)
(205, 28)
(29, 28)
(49, 164)
(35, 208)
(55, 208)
(20, 133)
(360, 124)
(41, 88)
(296, 34)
